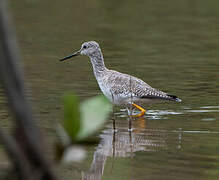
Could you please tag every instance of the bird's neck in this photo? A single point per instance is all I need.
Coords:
(98, 63)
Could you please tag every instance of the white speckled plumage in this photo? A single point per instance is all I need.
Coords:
(119, 88)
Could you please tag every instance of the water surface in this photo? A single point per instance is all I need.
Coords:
(172, 45)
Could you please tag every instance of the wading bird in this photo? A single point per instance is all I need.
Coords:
(119, 88)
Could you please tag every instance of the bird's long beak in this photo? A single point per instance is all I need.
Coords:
(70, 56)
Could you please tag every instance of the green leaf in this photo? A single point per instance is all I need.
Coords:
(94, 112)
(71, 115)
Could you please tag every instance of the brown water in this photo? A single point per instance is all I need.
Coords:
(172, 45)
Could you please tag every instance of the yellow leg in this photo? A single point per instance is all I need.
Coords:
(139, 108)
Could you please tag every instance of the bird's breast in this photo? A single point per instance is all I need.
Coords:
(105, 90)
(115, 98)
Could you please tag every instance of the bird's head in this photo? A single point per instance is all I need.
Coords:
(89, 48)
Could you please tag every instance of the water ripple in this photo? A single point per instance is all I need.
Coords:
(158, 114)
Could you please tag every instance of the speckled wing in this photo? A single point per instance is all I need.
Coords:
(126, 85)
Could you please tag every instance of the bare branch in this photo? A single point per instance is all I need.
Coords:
(14, 87)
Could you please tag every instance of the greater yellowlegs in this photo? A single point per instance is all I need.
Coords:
(119, 88)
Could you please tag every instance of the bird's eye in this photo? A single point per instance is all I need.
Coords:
(85, 47)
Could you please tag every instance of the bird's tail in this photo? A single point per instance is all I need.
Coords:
(174, 98)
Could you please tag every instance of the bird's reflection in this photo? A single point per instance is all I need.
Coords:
(124, 137)
(120, 142)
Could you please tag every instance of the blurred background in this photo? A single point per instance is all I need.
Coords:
(172, 45)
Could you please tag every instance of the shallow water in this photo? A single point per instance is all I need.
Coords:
(172, 45)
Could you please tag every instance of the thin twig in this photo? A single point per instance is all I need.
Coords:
(131, 89)
(131, 93)
(16, 155)
(130, 119)
(12, 81)
(114, 118)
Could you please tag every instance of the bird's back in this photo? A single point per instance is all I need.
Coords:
(121, 87)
